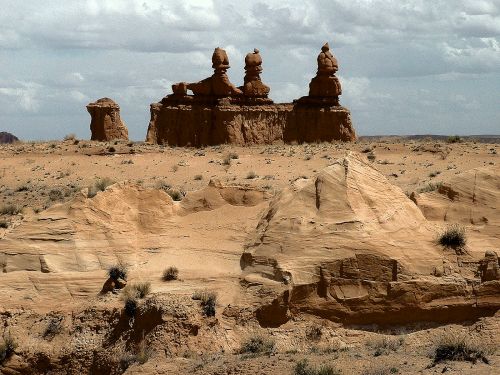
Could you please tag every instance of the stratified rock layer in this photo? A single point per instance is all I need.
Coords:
(199, 124)
(106, 124)
(349, 246)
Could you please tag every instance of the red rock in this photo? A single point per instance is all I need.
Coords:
(106, 124)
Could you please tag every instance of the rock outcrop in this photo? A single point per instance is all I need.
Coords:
(106, 123)
(253, 86)
(349, 246)
(7, 138)
(489, 267)
(218, 85)
(220, 113)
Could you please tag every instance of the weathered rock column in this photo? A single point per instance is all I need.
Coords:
(106, 123)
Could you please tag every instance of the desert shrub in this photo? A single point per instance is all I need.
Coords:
(4, 224)
(257, 345)
(171, 273)
(54, 327)
(430, 187)
(70, 137)
(138, 290)
(460, 347)
(453, 236)
(9, 209)
(198, 177)
(162, 185)
(378, 369)
(56, 195)
(304, 368)
(454, 139)
(100, 185)
(141, 355)
(251, 175)
(118, 271)
(385, 345)
(23, 188)
(371, 156)
(7, 347)
(130, 306)
(208, 301)
(314, 333)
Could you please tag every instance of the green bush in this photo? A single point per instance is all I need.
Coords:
(9, 209)
(385, 345)
(453, 236)
(130, 306)
(304, 368)
(7, 347)
(140, 290)
(258, 345)
(454, 139)
(100, 185)
(118, 271)
(171, 273)
(460, 347)
(208, 301)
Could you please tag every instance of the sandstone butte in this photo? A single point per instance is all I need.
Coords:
(219, 112)
(106, 123)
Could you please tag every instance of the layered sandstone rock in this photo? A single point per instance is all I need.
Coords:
(253, 86)
(106, 124)
(218, 85)
(200, 125)
(349, 246)
(218, 113)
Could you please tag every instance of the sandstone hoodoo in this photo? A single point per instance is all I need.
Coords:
(106, 124)
(218, 112)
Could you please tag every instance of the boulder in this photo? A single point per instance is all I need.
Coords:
(350, 246)
(7, 138)
(106, 124)
(489, 267)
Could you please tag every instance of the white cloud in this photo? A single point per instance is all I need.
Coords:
(132, 50)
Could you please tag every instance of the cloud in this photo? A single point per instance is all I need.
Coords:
(59, 56)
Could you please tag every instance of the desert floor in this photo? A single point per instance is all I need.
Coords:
(40, 176)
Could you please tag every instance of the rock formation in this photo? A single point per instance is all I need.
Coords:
(106, 124)
(326, 84)
(7, 138)
(219, 113)
(339, 245)
(218, 85)
(253, 86)
(489, 267)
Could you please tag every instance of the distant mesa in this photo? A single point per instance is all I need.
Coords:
(106, 124)
(7, 138)
(218, 112)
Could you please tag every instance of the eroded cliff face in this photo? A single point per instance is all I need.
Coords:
(204, 124)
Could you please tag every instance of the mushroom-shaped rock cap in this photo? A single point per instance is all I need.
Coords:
(104, 102)
(220, 59)
(253, 58)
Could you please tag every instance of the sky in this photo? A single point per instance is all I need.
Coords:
(406, 66)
